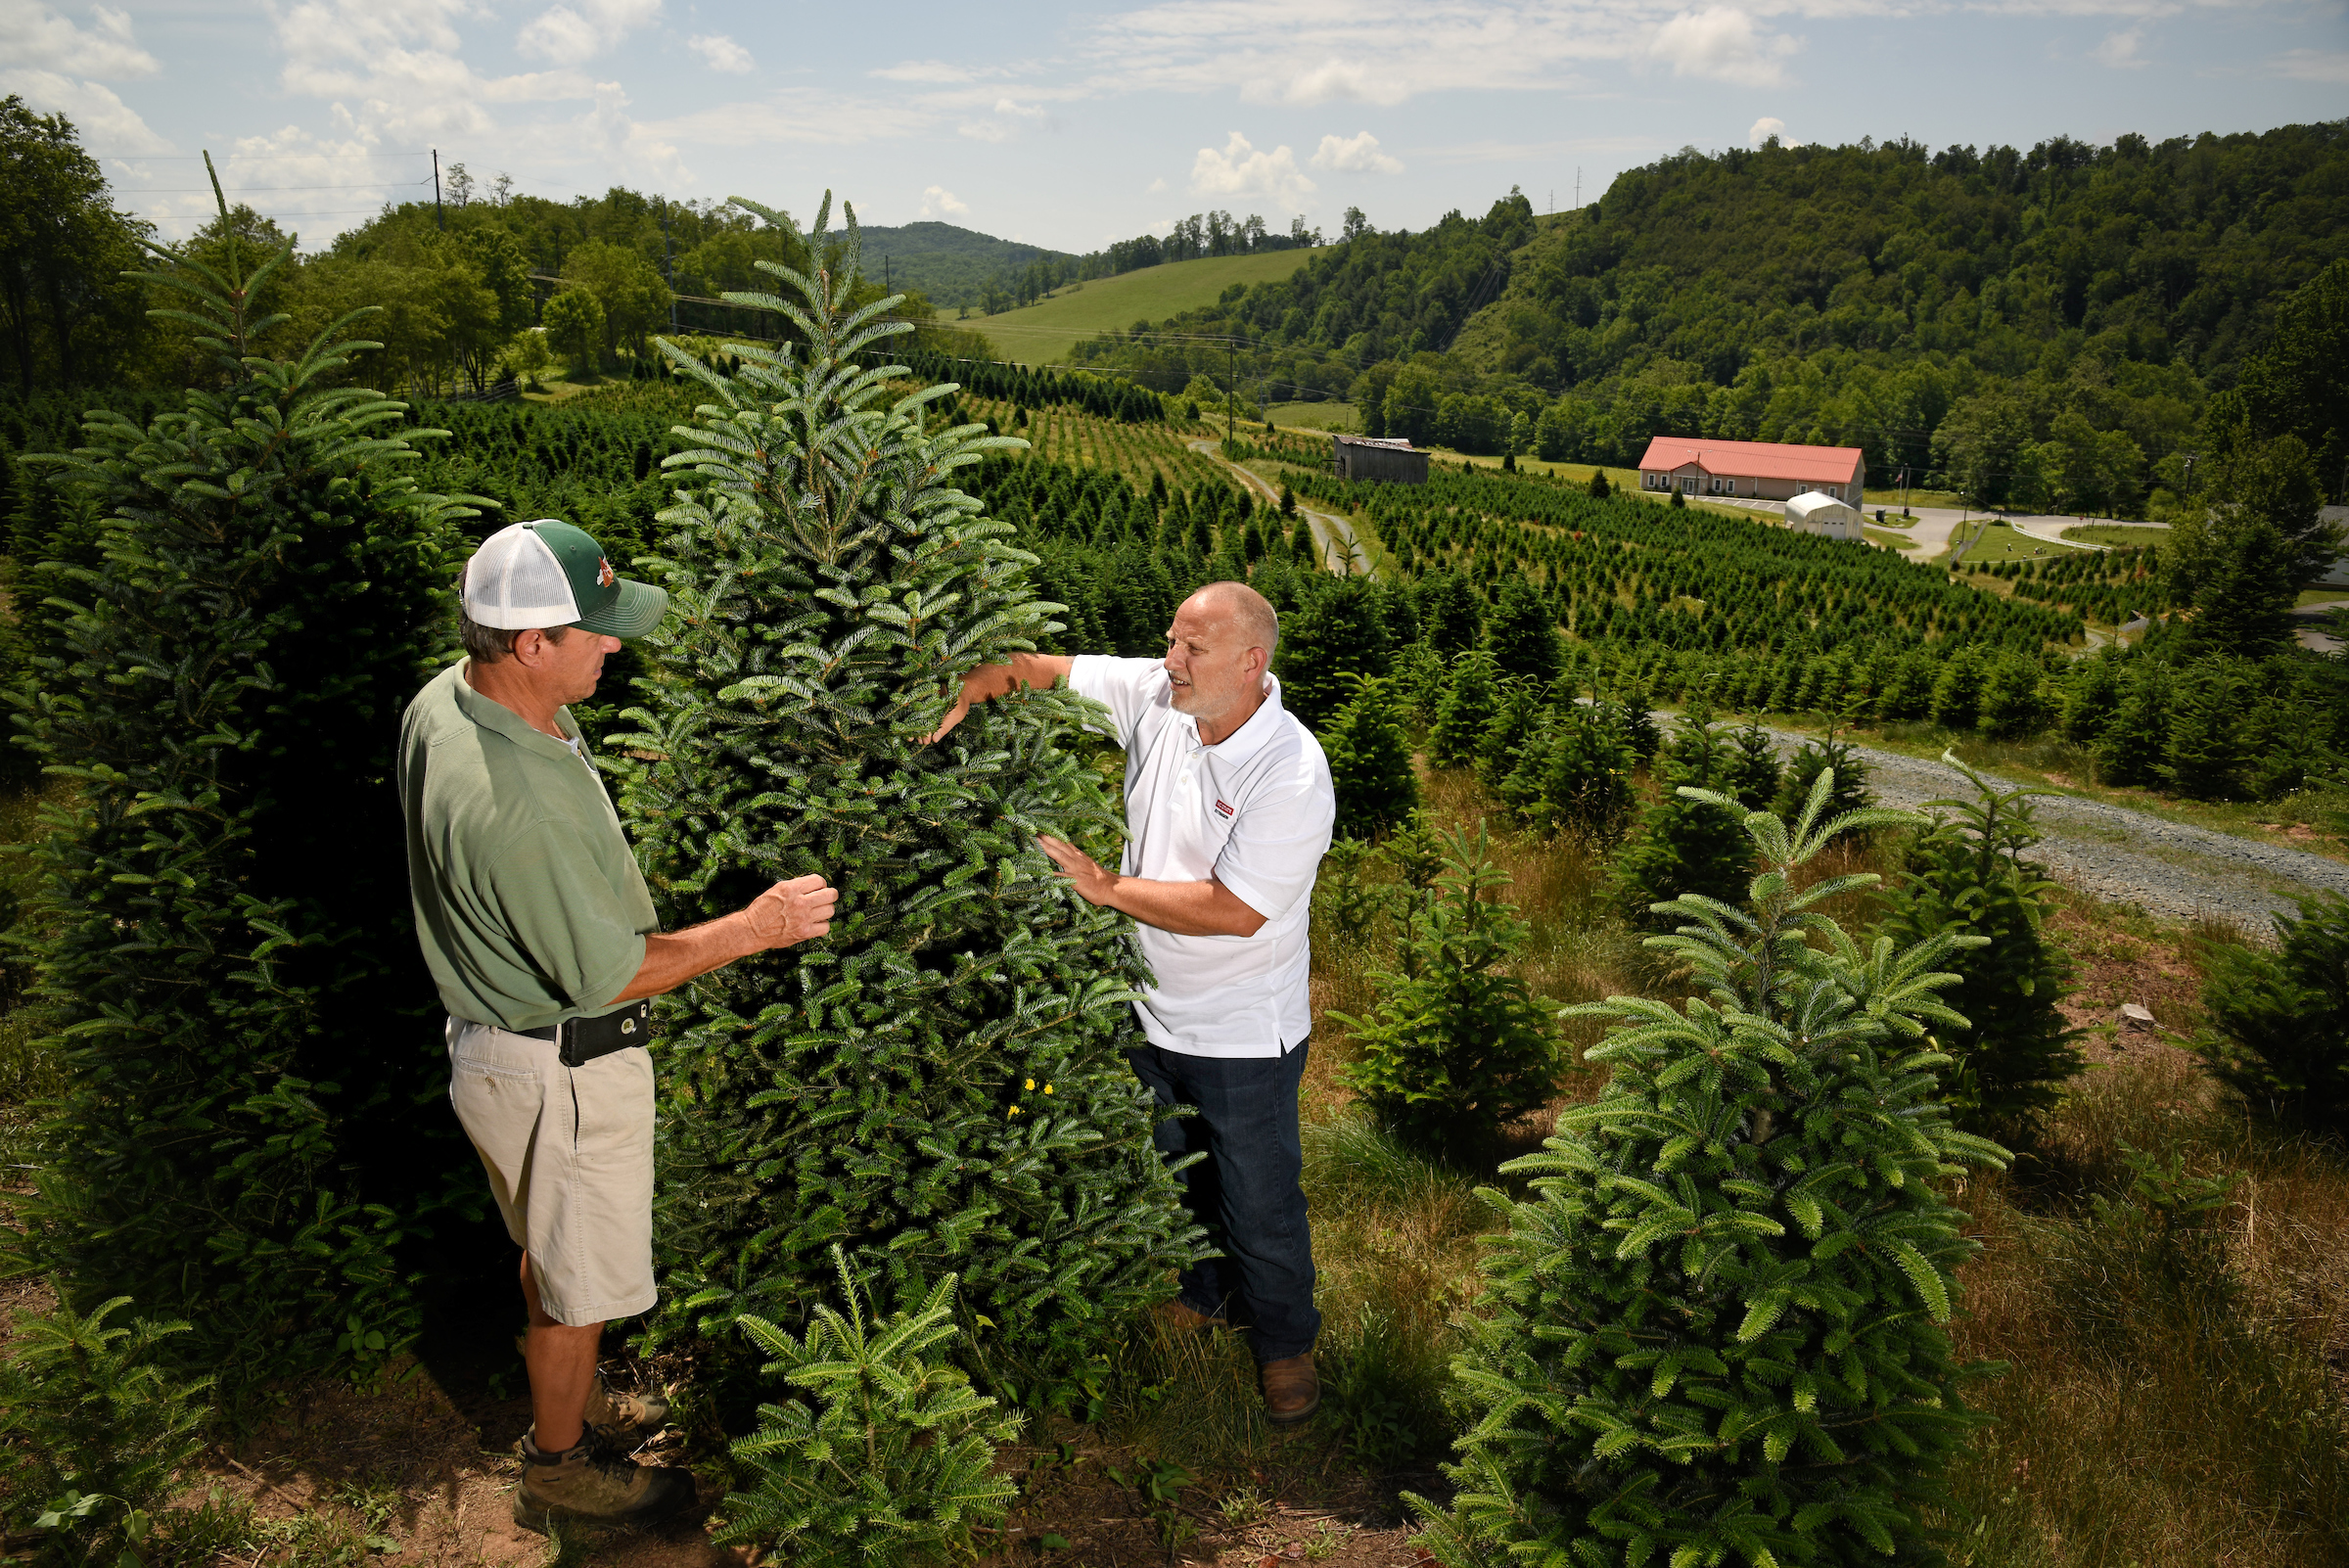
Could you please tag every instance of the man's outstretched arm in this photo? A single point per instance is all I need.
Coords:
(1001, 680)
(1187, 908)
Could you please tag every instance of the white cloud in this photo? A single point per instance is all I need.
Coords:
(106, 123)
(570, 36)
(33, 37)
(939, 202)
(51, 61)
(1348, 80)
(2122, 50)
(1242, 172)
(1000, 128)
(1722, 43)
(2312, 65)
(931, 71)
(1764, 129)
(721, 53)
(1354, 155)
(1156, 186)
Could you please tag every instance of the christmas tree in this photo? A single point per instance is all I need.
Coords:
(938, 1087)
(249, 1034)
(1968, 876)
(1370, 760)
(1712, 1333)
(1457, 1048)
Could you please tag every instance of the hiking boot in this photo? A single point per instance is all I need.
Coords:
(1292, 1388)
(622, 1421)
(1188, 1319)
(582, 1486)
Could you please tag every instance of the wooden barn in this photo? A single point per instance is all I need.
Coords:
(1394, 460)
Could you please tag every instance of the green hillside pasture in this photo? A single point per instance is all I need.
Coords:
(1043, 332)
(1324, 415)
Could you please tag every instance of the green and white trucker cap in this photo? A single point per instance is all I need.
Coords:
(550, 573)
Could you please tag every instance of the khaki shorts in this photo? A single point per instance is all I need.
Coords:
(570, 1156)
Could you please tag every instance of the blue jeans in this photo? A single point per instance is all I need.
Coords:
(1246, 1192)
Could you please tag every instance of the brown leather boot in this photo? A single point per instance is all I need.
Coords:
(1292, 1388)
(583, 1486)
(1187, 1319)
(624, 1421)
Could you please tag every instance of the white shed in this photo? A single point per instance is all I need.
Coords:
(1825, 515)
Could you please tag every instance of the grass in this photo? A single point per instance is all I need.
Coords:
(2117, 536)
(1997, 541)
(1045, 333)
(1894, 495)
(1329, 415)
(2321, 596)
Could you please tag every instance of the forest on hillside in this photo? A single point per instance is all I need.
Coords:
(2042, 327)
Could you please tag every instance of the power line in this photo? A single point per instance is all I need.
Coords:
(241, 190)
(247, 158)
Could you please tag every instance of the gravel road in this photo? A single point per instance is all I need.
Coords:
(2165, 868)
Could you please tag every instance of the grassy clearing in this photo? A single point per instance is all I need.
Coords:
(1986, 544)
(2323, 596)
(1330, 416)
(2117, 536)
(1894, 496)
(1043, 332)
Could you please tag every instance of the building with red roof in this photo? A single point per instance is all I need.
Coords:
(1772, 471)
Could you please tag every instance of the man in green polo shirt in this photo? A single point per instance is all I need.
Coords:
(540, 937)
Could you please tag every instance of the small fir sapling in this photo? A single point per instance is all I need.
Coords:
(1467, 705)
(2278, 1031)
(1336, 631)
(1370, 760)
(1517, 716)
(1753, 773)
(1522, 633)
(1457, 1048)
(1587, 774)
(1687, 843)
(884, 1455)
(1712, 1333)
(1966, 876)
(939, 1086)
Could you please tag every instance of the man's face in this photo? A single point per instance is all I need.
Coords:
(570, 668)
(1210, 663)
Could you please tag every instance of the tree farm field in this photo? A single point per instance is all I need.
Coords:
(2232, 1344)
(1043, 332)
(2135, 1421)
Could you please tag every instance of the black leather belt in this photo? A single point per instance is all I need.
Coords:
(583, 1040)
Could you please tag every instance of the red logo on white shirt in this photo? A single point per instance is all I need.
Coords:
(1225, 809)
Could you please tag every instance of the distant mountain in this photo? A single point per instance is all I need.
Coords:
(949, 265)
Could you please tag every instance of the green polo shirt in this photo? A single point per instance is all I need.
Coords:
(529, 903)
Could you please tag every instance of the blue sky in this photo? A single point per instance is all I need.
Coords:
(1072, 125)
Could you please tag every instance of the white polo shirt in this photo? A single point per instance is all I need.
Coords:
(1254, 812)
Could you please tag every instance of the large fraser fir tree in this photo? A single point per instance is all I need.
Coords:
(938, 1087)
(1711, 1335)
(227, 955)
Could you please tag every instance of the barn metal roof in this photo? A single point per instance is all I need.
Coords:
(1776, 460)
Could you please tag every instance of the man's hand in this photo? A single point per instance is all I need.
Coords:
(989, 681)
(1092, 882)
(1187, 908)
(791, 913)
(788, 912)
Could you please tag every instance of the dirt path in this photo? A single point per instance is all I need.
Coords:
(1333, 535)
(2166, 869)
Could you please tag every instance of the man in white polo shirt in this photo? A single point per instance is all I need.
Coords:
(1228, 808)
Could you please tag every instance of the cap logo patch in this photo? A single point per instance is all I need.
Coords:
(604, 577)
(1224, 808)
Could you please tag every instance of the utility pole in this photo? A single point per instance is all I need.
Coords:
(1578, 184)
(439, 221)
(1232, 375)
